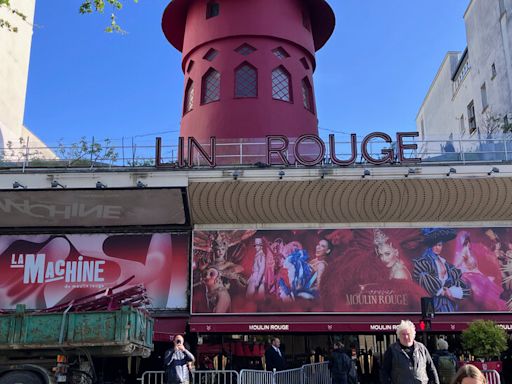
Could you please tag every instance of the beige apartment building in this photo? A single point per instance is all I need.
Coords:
(14, 66)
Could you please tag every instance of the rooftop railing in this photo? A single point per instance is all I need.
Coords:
(110, 154)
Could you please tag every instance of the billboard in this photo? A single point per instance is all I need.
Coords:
(42, 271)
(92, 207)
(374, 270)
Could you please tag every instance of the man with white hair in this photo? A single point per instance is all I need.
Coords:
(407, 361)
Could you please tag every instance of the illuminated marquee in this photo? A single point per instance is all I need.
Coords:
(277, 147)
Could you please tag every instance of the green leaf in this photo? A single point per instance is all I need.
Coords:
(484, 339)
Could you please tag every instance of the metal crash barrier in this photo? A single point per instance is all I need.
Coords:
(317, 373)
(309, 374)
(289, 376)
(196, 377)
(250, 376)
(215, 377)
(493, 377)
(152, 377)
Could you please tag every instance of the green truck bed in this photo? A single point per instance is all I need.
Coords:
(124, 332)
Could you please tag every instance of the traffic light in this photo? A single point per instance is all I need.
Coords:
(425, 325)
(427, 308)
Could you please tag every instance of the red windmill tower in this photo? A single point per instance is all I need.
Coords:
(248, 65)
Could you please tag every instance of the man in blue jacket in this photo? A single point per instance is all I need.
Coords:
(176, 362)
(274, 358)
(340, 364)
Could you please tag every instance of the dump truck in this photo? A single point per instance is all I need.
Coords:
(72, 343)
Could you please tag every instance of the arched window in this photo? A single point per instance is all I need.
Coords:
(212, 9)
(188, 102)
(281, 84)
(307, 95)
(210, 86)
(246, 81)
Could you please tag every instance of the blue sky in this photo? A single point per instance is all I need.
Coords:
(372, 75)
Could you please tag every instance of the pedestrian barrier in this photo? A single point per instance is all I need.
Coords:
(251, 376)
(317, 373)
(492, 376)
(152, 377)
(215, 377)
(196, 377)
(289, 376)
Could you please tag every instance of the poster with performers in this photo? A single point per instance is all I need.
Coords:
(44, 270)
(374, 270)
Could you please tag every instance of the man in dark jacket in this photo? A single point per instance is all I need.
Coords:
(407, 361)
(274, 358)
(340, 364)
(176, 362)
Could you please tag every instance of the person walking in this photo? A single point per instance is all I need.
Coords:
(340, 364)
(176, 362)
(274, 358)
(445, 362)
(408, 361)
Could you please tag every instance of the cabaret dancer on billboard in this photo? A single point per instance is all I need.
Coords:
(218, 298)
(436, 275)
(299, 273)
(390, 256)
(274, 266)
(485, 294)
(318, 265)
(504, 257)
(256, 283)
(213, 268)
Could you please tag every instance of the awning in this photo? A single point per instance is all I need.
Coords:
(168, 327)
(379, 323)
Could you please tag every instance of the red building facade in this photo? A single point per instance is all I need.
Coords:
(248, 65)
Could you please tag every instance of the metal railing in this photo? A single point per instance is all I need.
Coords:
(152, 377)
(289, 376)
(492, 376)
(215, 377)
(251, 376)
(317, 373)
(109, 153)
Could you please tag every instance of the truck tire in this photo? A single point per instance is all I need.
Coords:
(21, 377)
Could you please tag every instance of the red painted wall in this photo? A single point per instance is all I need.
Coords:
(265, 25)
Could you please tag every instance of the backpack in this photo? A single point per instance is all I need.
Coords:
(352, 372)
(446, 369)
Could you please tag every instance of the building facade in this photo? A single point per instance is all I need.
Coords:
(471, 95)
(234, 254)
(14, 64)
(248, 67)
